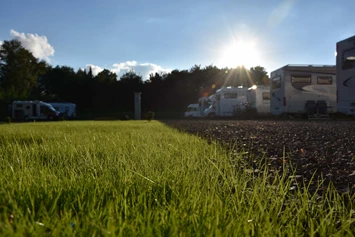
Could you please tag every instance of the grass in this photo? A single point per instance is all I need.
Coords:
(138, 178)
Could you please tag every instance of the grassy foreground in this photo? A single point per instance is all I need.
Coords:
(139, 178)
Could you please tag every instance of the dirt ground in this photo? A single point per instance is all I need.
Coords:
(323, 148)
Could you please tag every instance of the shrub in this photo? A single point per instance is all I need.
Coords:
(150, 115)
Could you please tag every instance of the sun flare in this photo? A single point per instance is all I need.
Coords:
(240, 53)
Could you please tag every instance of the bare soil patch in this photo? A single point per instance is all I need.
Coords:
(323, 148)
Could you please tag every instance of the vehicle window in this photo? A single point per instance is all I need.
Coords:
(19, 105)
(266, 95)
(218, 97)
(276, 83)
(349, 59)
(43, 109)
(301, 79)
(230, 95)
(324, 80)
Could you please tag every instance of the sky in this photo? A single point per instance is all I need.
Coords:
(150, 36)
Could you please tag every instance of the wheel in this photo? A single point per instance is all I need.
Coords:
(211, 115)
(189, 117)
(27, 118)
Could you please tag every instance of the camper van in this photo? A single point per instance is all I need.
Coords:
(345, 69)
(33, 110)
(192, 111)
(229, 102)
(205, 102)
(68, 110)
(292, 86)
(258, 98)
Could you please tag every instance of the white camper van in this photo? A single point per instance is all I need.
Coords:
(33, 110)
(345, 69)
(192, 111)
(68, 110)
(229, 101)
(292, 86)
(258, 98)
(205, 102)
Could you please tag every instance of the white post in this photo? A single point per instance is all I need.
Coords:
(137, 105)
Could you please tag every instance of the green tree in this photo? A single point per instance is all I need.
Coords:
(259, 75)
(19, 71)
(106, 76)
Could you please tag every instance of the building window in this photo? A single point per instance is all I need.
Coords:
(276, 83)
(301, 79)
(324, 80)
(349, 59)
(266, 95)
(230, 95)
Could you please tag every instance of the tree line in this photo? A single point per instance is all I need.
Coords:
(24, 77)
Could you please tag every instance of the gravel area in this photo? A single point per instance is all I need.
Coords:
(323, 148)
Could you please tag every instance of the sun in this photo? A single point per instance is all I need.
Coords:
(240, 53)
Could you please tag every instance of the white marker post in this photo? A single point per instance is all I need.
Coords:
(137, 105)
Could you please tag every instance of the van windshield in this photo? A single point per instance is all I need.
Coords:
(51, 109)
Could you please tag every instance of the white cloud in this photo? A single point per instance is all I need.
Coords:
(1, 42)
(143, 69)
(36, 44)
(95, 69)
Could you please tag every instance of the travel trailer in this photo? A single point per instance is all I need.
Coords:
(292, 86)
(33, 110)
(345, 70)
(192, 111)
(229, 102)
(258, 98)
(68, 110)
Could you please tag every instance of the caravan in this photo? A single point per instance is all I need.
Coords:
(229, 101)
(258, 98)
(33, 110)
(345, 69)
(292, 86)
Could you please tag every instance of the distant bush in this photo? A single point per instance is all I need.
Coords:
(124, 117)
(149, 115)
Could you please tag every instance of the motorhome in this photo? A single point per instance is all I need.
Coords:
(292, 86)
(229, 102)
(33, 110)
(258, 97)
(345, 70)
(68, 110)
(205, 102)
(192, 111)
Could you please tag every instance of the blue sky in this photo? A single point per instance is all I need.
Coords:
(160, 35)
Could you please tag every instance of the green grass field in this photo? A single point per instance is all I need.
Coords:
(139, 178)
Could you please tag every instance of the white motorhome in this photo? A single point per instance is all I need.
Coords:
(229, 102)
(293, 85)
(33, 110)
(68, 110)
(192, 111)
(258, 98)
(345, 69)
(205, 102)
